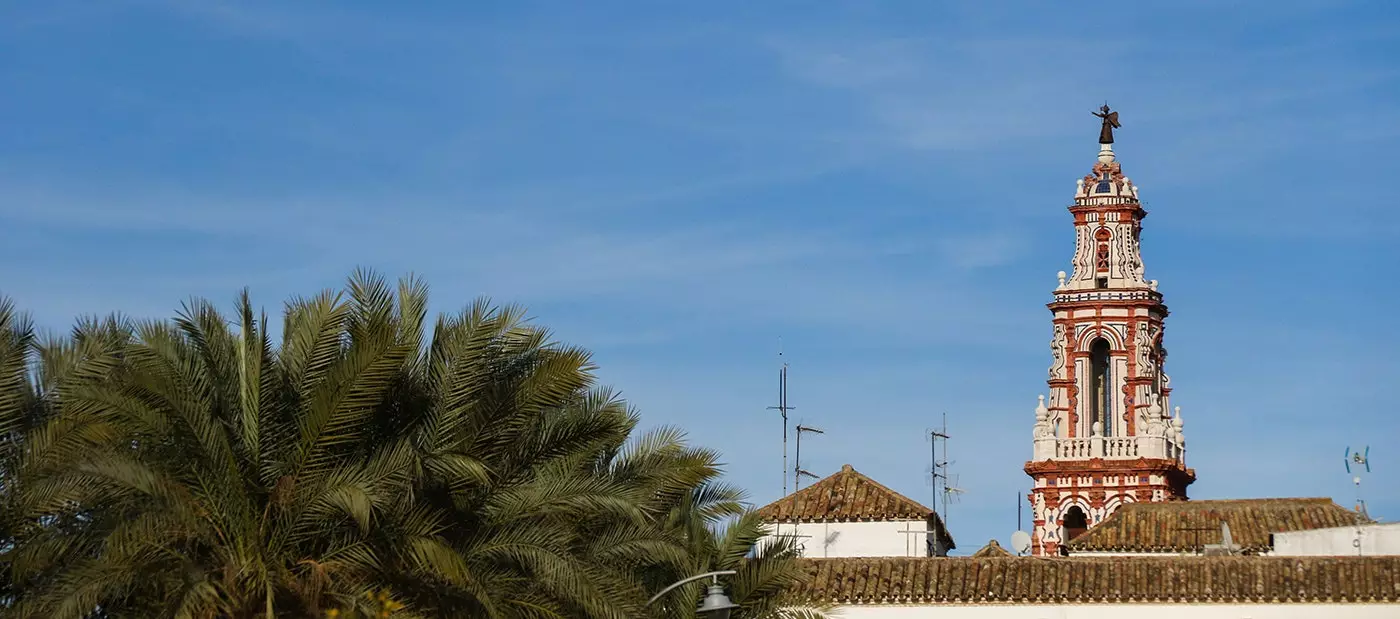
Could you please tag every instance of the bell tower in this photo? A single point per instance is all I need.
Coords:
(1104, 436)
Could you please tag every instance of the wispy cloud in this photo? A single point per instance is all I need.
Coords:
(1212, 109)
(882, 186)
(975, 251)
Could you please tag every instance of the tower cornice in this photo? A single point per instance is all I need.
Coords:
(1104, 466)
(1133, 208)
(1105, 298)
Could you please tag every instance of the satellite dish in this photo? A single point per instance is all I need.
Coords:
(1021, 542)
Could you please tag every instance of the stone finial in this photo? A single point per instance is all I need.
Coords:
(1061, 275)
(1041, 413)
(1098, 428)
(1106, 153)
(846, 468)
(1079, 185)
(1155, 409)
(1176, 420)
(1153, 284)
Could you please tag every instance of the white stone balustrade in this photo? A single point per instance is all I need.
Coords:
(1108, 448)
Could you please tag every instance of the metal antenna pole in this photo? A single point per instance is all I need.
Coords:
(1362, 459)
(933, 466)
(783, 409)
(935, 436)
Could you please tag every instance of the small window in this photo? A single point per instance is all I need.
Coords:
(1101, 282)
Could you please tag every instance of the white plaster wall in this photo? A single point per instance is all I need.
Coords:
(1119, 611)
(859, 539)
(1376, 539)
(1136, 554)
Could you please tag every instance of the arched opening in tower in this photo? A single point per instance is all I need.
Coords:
(1076, 523)
(1100, 387)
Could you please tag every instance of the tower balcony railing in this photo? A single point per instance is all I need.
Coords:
(1109, 448)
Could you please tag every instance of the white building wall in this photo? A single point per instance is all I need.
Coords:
(1119, 611)
(1374, 539)
(859, 539)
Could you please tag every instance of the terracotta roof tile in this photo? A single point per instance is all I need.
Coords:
(1080, 580)
(844, 497)
(1185, 526)
(992, 549)
(850, 496)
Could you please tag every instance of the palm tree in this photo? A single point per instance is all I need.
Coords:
(17, 402)
(190, 468)
(209, 474)
(768, 569)
(31, 370)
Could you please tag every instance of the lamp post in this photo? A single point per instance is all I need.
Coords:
(716, 604)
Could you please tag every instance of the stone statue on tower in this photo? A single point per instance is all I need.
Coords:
(1110, 122)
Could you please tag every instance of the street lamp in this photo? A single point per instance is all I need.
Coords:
(716, 604)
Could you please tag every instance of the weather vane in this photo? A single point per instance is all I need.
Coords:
(1110, 122)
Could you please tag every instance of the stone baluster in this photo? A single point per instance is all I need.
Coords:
(1180, 438)
(1044, 433)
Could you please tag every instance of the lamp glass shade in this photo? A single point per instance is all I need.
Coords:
(716, 604)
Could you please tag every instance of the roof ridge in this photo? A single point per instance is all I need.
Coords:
(849, 469)
(830, 499)
(1147, 526)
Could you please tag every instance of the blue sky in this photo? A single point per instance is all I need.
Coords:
(677, 185)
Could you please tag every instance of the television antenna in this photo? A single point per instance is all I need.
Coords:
(938, 469)
(783, 409)
(798, 472)
(1196, 531)
(1020, 542)
(1357, 463)
(951, 492)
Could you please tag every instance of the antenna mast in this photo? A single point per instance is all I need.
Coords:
(798, 472)
(938, 469)
(783, 409)
(1361, 458)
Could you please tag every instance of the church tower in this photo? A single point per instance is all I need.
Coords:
(1105, 436)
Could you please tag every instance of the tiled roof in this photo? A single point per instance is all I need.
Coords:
(992, 549)
(1185, 526)
(1088, 580)
(849, 496)
(845, 496)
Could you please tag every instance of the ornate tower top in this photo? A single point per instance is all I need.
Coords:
(1108, 215)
